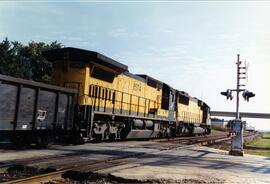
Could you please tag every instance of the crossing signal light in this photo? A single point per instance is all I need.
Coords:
(247, 94)
(228, 94)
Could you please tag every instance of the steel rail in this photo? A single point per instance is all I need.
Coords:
(205, 139)
(38, 178)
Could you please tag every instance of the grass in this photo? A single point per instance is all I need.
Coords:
(260, 146)
(266, 135)
(264, 153)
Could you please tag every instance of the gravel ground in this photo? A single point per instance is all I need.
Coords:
(69, 181)
(16, 172)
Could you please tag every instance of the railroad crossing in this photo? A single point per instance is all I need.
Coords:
(156, 161)
(237, 124)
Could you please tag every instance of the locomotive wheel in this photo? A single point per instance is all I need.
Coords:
(43, 140)
(173, 132)
(107, 135)
(112, 137)
(98, 138)
(76, 138)
(208, 131)
(190, 130)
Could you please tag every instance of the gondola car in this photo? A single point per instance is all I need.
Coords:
(32, 112)
(112, 103)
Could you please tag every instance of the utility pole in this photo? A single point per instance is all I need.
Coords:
(237, 124)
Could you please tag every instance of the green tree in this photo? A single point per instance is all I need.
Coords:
(41, 68)
(26, 61)
(11, 60)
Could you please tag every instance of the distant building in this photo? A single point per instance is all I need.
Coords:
(219, 124)
(249, 128)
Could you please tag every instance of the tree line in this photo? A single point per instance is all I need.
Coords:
(26, 61)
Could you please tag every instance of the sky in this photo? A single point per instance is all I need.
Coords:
(191, 46)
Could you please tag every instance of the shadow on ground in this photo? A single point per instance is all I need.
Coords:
(200, 159)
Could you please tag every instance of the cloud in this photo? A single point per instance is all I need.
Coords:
(230, 37)
(79, 42)
(67, 41)
(122, 33)
(166, 31)
(2, 34)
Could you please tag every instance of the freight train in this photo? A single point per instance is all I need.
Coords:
(94, 97)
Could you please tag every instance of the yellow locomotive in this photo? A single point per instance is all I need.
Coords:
(113, 103)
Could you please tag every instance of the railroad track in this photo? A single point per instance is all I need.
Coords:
(208, 139)
(72, 167)
(74, 172)
(69, 167)
(194, 140)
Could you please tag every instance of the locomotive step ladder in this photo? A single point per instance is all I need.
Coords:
(87, 122)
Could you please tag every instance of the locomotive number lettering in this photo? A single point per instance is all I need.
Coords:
(136, 87)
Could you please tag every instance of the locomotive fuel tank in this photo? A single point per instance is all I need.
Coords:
(199, 130)
(137, 123)
(148, 123)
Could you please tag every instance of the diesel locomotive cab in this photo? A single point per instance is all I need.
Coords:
(112, 102)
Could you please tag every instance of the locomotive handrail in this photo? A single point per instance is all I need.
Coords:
(101, 100)
(97, 97)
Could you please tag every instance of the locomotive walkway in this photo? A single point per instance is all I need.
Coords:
(146, 161)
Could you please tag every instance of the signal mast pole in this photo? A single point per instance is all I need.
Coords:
(237, 124)
(237, 86)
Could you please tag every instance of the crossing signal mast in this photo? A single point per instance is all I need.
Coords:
(237, 124)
